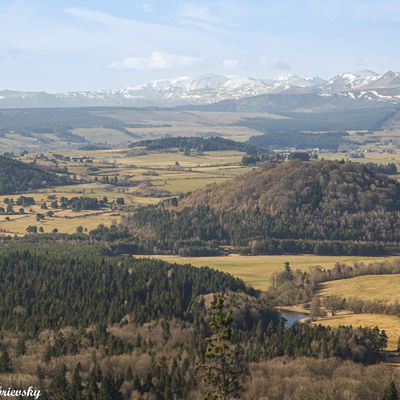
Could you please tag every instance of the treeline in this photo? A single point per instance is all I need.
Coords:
(202, 230)
(388, 169)
(359, 306)
(195, 144)
(81, 203)
(301, 140)
(320, 247)
(16, 176)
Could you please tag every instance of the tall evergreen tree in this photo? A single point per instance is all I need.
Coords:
(109, 389)
(76, 384)
(223, 368)
(21, 347)
(59, 386)
(391, 392)
(5, 361)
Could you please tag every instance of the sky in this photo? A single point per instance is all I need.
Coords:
(58, 45)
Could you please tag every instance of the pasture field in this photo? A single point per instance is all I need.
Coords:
(258, 271)
(389, 323)
(369, 287)
(64, 224)
(147, 173)
(146, 178)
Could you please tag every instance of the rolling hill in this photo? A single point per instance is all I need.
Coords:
(322, 207)
(296, 186)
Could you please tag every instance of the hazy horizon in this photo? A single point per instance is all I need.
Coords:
(93, 45)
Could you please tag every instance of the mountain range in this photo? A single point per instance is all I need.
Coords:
(364, 85)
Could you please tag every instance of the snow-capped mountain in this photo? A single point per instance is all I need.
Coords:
(350, 80)
(289, 81)
(210, 88)
(182, 90)
(204, 89)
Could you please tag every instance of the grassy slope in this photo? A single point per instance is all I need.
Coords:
(370, 287)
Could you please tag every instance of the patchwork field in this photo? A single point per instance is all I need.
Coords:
(389, 323)
(143, 178)
(370, 287)
(259, 270)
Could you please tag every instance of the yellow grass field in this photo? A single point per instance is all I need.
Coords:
(389, 323)
(370, 287)
(65, 224)
(258, 270)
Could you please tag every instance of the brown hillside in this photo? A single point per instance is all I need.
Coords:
(292, 186)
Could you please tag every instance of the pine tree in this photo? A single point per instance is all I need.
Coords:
(391, 392)
(76, 384)
(128, 374)
(40, 373)
(223, 368)
(59, 385)
(136, 384)
(109, 389)
(5, 361)
(21, 347)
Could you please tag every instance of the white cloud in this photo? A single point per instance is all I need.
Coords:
(156, 60)
(148, 7)
(230, 63)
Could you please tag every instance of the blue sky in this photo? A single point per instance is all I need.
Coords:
(58, 45)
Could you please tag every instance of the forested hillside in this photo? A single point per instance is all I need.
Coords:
(322, 206)
(16, 176)
(297, 186)
(52, 286)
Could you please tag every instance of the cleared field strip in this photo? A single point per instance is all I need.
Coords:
(370, 287)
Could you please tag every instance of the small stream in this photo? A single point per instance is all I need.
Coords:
(291, 317)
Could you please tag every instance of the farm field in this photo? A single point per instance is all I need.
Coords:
(389, 323)
(258, 271)
(370, 287)
(144, 178)
(165, 170)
